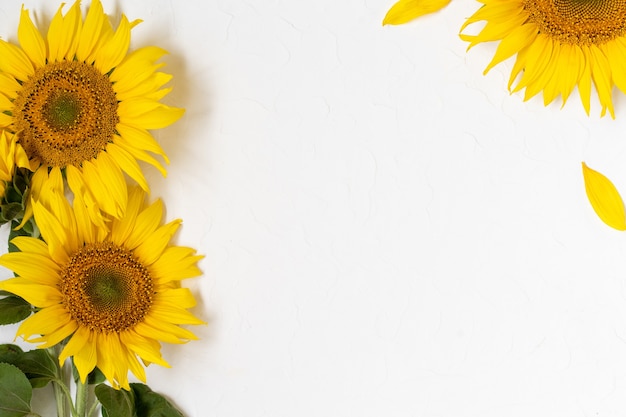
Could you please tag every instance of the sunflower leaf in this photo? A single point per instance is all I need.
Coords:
(15, 392)
(10, 353)
(151, 404)
(39, 367)
(13, 309)
(115, 403)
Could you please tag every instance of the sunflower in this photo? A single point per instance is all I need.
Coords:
(560, 44)
(80, 103)
(12, 156)
(110, 294)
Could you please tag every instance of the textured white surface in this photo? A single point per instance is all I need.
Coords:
(387, 231)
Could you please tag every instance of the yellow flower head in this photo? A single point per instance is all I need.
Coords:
(560, 44)
(111, 293)
(12, 156)
(79, 101)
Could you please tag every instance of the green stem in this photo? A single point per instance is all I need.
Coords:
(62, 394)
(82, 389)
(93, 408)
(61, 399)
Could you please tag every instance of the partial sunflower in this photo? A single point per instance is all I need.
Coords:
(406, 10)
(109, 293)
(560, 44)
(15, 171)
(12, 156)
(79, 102)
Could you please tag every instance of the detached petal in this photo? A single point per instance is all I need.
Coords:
(604, 198)
(407, 10)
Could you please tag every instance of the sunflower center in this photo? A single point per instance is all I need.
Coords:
(62, 110)
(578, 22)
(65, 113)
(105, 288)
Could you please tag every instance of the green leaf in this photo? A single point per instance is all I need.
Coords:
(115, 402)
(151, 404)
(15, 392)
(10, 211)
(10, 353)
(15, 233)
(95, 377)
(39, 367)
(13, 309)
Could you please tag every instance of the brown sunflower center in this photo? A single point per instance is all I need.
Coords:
(66, 113)
(105, 288)
(579, 22)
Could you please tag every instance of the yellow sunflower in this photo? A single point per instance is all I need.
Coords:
(79, 102)
(12, 156)
(560, 44)
(109, 293)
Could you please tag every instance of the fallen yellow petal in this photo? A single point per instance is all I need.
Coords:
(604, 198)
(407, 10)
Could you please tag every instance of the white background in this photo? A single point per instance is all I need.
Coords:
(387, 231)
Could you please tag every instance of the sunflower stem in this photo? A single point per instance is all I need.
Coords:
(82, 390)
(93, 408)
(61, 399)
(62, 394)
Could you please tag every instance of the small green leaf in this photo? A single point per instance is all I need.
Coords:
(115, 403)
(39, 367)
(13, 309)
(15, 392)
(10, 353)
(151, 404)
(11, 210)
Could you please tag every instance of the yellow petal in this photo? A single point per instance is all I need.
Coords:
(146, 222)
(122, 228)
(31, 40)
(45, 321)
(151, 249)
(82, 348)
(91, 30)
(148, 114)
(37, 268)
(36, 294)
(604, 198)
(177, 263)
(407, 10)
(128, 164)
(111, 54)
(15, 62)
(146, 347)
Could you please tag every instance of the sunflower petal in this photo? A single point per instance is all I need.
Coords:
(31, 40)
(604, 198)
(406, 10)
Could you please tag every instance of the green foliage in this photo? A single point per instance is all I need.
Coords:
(37, 365)
(13, 202)
(150, 404)
(13, 309)
(140, 401)
(115, 403)
(15, 392)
